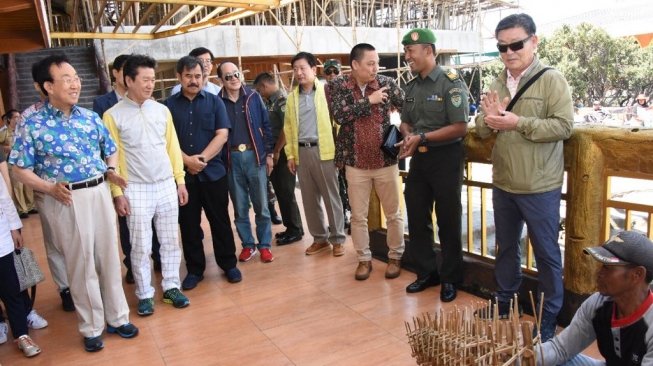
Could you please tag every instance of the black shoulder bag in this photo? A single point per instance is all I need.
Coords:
(525, 87)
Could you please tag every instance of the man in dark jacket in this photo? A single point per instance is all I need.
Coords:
(250, 161)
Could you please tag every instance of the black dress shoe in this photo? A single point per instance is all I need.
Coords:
(448, 292)
(423, 283)
(289, 239)
(281, 234)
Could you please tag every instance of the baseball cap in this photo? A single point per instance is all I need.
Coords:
(627, 247)
(331, 63)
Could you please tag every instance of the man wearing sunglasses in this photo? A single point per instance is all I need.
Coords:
(331, 69)
(619, 316)
(250, 152)
(527, 164)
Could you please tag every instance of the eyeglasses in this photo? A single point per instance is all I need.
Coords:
(231, 75)
(70, 80)
(515, 46)
(332, 71)
(205, 61)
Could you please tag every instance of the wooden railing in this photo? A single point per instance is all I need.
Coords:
(594, 157)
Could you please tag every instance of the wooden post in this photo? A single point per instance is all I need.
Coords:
(11, 78)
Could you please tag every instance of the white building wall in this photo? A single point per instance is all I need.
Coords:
(273, 41)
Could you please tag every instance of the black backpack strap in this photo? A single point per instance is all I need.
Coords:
(523, 89)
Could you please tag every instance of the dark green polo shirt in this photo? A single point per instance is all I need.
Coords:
(435, 101)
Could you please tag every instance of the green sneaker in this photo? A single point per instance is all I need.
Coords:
(146, 307)
(176, 298)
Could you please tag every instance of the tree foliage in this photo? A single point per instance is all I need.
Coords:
(597, 66)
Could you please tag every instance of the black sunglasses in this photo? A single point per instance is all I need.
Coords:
(515, 46)
(332, 71)
(231, 75)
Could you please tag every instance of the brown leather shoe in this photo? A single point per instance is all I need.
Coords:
(338, 250)
(363, 270)
(316, 248)
(394, 268)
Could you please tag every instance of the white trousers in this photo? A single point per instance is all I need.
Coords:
(158, 202)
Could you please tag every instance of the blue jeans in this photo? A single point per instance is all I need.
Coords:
(582, 360)
(248, 182)
(541, 213)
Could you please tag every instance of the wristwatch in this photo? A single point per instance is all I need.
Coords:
(422, 138)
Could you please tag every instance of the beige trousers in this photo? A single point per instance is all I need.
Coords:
(86, 234)
(23, 195)
(318, 182)
(386, 184)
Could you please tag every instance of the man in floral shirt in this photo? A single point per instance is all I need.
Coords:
(361, 103)
(58, 152)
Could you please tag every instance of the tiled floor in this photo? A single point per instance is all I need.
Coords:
(297, 310)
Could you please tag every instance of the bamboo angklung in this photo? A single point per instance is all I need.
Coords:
(474, 335)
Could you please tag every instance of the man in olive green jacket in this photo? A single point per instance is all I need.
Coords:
(528, 164)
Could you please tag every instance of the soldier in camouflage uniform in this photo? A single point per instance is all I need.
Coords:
(282, 180)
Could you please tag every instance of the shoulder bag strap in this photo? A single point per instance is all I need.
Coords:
(525, 87)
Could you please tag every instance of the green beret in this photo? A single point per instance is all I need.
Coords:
(419, 36)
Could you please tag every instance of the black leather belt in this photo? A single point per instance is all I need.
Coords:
(86, 184)
(308, 144)
(242, 147)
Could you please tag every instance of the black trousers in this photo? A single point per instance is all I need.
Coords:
(283, 182)
(126, 244)
(17, 303)
(436, 177)
(213, 197)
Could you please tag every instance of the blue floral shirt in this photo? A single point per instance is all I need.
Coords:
(62, 149)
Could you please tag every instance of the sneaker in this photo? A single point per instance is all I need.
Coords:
(27, 345)
(3, 332)
(266, 255)
(176, 298)
(191, 281)
(233, 275)
(93, 344)
(127, 330)
(363, 270)
(338, 250)
(145, 307)
(247, 254)
(67, 300)
(35, 321)
(316, 248)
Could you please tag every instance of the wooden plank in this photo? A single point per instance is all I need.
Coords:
(123, 15)
(144, 17)
(91, 35)
(189, 15)
(98, 17)
(175, 9)
(10, 6)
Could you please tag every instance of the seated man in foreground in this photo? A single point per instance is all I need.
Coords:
(618, 316)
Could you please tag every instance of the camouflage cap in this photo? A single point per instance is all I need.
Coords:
(419, 36)
(332, 62)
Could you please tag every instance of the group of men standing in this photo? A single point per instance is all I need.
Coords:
(166, 162)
